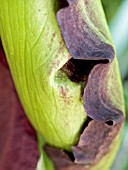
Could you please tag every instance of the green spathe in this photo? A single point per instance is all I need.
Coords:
(35, 52)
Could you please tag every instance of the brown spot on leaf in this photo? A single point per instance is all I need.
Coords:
(63, 91)
(53, 36)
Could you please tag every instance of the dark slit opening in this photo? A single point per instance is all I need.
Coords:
(63, 4)
(110, 123)
(70, 155)
(78, 70)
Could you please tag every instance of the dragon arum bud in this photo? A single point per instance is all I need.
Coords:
(65, 71)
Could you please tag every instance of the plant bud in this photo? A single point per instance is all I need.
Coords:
(65, 70)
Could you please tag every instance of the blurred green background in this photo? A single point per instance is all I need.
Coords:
(117, 16)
